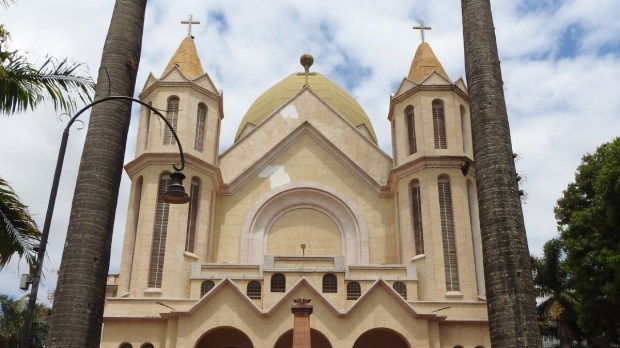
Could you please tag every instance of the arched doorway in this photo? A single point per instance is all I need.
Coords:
(224, 337)
(380, 338)
(317, 340)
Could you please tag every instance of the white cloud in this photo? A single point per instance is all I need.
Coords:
(559, 108)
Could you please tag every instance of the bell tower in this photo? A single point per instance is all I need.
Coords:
(435, 180)
(163, 240)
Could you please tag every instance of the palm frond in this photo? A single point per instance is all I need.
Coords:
(18, 231)
(24, 87)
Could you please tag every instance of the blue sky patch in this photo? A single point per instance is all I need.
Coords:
(349, 73)
(218, 18)
(570, 41)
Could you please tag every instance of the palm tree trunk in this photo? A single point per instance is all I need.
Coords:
(80, 293)
(507, 268)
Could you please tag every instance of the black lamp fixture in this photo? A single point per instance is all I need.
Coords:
(176, 192)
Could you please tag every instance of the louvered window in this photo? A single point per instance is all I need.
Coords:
(253, 290)
(448, 234)
(201, 120)
(192, 216)
(158, 247)
(416, 212)
(172, 116)
(354, 291)
(330, 283)
(409, 116)
(439, 125)
(401, 289)
(206, 286)
(278, 282)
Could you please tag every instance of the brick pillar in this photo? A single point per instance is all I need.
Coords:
(301, 325)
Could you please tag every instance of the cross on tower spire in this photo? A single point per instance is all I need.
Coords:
(189, 23)
(421, 28)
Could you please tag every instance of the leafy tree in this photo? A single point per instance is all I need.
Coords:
(588, 216)
(24, 86)
(511, 302)
(556, 313)
(12, 314)
(18, 231)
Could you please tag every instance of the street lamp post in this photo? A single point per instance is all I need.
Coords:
(175, 195)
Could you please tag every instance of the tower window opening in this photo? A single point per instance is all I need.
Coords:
(160, 229)
(172, 115)
(410, 119)
(201, 120)
(416, 214)
(192, 216)
(448, 234)
(439, 125)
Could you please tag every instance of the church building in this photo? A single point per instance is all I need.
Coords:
(303, 205)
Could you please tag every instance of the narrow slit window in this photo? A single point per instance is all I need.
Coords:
(192, 216)
(410, 119)
(160, 229)
(201, 121)
(439, 125)
(172, 116)
(448, 234)
(416, 214)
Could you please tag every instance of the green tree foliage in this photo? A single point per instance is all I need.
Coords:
(18, 231)
(12, 314)
(588, 216)
(556, 312)
(24, 86)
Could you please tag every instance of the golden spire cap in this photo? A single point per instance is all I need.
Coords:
(186, 59)
(424, 63)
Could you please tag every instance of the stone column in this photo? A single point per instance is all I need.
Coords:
(301, 325)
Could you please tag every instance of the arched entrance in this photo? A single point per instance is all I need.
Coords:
(380, 338)
(224, 337)
(317, 339)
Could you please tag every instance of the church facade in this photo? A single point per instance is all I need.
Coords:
(304, 204)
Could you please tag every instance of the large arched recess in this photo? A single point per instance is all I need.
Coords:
(381, 337)
(223, 337)
(268, 208)
(317, 340)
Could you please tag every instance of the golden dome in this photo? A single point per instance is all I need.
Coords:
(186, 58)
(283, 91)
(424, 63)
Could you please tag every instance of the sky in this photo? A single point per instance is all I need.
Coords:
(560, 60)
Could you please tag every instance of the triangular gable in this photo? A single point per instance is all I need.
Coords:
(174, 75)
(305, 128)
(435, 78)
(205, 82)
(245, 150)
(404, 86)
(150, 80)
(461, 84)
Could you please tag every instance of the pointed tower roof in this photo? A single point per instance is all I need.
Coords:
(186, 58)
(424, 63)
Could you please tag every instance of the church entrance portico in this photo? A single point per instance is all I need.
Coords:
(317, 340)
(224, 337)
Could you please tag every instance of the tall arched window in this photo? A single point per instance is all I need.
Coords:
(465, 131)
(416, 213)
(401, 289)
(410, 119)
(330, 283)
(278, 282)
(439, 125)
(147, 125)
(206, 286)
(447, 234)
(172, 115)
(253, 290)
(192, 215)
(354, 291)
(160, 229)
(201, 121)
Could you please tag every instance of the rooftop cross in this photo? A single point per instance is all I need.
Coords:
(189, 23)
(421, 28)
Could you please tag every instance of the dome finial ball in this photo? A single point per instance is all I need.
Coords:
(306, 61)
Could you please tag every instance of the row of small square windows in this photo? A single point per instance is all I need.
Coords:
(330, 285)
